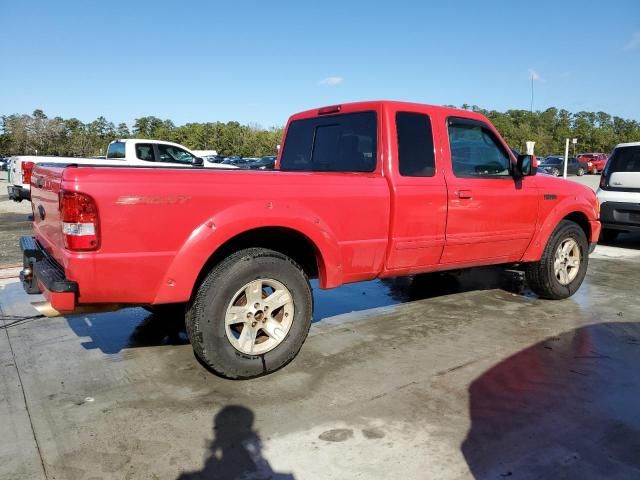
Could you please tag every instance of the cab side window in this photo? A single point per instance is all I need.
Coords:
(476, 152)
(415, 145)
(144, 151)
(171, 154)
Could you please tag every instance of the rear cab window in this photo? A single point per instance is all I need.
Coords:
(337, 143)
(116, 150)
(624, 159)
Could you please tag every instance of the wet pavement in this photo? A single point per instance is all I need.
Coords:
(447, 376)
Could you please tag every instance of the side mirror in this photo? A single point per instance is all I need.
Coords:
(198, 161)
(526, 166)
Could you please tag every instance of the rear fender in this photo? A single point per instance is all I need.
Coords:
(566, 207)
(179, 281)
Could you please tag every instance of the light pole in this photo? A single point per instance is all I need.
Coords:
(566, 158)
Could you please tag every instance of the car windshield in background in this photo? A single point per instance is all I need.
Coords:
(625, 159)
(552, 161)
(116, 150)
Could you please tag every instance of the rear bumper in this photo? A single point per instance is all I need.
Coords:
(41, 274)
(18, 193)
(620, 216)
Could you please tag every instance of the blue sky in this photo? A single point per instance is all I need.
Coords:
(261, 61)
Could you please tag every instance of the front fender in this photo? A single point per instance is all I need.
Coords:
(179, 281)
(565, 207)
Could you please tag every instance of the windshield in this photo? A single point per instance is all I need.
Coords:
(552, 161)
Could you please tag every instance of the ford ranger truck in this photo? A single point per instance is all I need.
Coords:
(360, 191)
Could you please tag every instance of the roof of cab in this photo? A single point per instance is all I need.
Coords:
(375, 104)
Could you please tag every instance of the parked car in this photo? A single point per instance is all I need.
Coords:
(554, 165)
(595, 161)
(358, 193)
(267, 162)
(619, 192)
(131, 151)
(4, 164)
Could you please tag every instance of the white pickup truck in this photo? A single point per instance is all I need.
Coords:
(131, 152)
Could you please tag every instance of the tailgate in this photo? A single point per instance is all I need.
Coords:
(46, 182)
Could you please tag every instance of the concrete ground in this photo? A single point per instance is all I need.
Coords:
(446, 377)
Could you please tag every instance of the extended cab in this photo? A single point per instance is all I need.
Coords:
(128, 152)
(360, 191)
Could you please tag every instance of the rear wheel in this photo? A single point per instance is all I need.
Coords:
(555, 172)
(563, 265)
(580, 171)
(251, 314)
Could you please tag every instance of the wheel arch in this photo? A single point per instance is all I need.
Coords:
(579, 214)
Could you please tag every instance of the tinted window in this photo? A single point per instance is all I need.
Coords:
(171, 154)
(624, 159)
(415, 145)
(339, 143)
(144, 151)
(116, 150)
(475, 152)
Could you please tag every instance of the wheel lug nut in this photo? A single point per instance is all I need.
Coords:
(253, 324)
(249, 315)
(257, 305)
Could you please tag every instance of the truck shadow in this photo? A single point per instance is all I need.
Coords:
(629, 240)
(566, 407)
(135, 327)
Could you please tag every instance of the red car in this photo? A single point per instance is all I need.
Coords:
(360, 191)
(594, 161)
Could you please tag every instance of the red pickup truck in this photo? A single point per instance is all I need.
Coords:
(361, 191)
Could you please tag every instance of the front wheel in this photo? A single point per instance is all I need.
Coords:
(555, 172)
(251, 314)
(563, 264)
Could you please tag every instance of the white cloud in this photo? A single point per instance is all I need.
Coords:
(331, 81)
(533, 75)
(634, 42)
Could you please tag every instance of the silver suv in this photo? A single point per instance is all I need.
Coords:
(619, 192)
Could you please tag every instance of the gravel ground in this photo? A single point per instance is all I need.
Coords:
(14, 223)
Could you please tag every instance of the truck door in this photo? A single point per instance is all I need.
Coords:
(419, 195)
(491, 215)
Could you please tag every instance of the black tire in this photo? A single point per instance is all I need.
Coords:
(609, 236)
(555, 172)
(205, 318)
(580, 172)
(541, 276)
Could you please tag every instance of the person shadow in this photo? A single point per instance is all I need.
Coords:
(235, 453)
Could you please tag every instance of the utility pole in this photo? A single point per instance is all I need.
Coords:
(566, 158)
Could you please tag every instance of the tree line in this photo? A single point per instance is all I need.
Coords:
(22, 134)
(38, 134)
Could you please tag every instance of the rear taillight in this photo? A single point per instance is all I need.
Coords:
(27, 170)
(79, 217)
(603, 180)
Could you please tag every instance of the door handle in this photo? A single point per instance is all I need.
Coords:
(463, 194)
